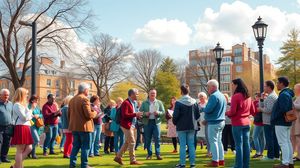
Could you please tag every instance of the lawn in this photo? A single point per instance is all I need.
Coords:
(56, 161)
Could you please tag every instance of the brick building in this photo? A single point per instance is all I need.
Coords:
(54, 78)
(238, 62)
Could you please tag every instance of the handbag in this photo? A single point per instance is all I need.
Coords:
(290, 116)
(10, 129)
(39, 122)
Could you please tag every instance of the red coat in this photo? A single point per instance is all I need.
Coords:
(127, 114)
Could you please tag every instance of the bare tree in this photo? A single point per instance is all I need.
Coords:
(146, 64)
(181, 70)
(205, 67)
(55, 20)
(104, 63)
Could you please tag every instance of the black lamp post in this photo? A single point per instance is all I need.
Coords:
(260, 32)
(218, 51)
(33, 57)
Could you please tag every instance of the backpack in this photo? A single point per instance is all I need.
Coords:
(118, 115)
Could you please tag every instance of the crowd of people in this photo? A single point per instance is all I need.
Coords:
(214, 120)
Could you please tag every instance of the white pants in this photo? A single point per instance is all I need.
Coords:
(284, 141)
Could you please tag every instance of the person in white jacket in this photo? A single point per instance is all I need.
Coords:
(22, 135)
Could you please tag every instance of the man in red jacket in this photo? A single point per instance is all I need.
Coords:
(128, 121)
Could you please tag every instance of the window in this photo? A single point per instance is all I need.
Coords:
(193, 62)
(48, 92)
(57, 93)
(72, 84)
(238, 52)
(238, 69)
(225, 69)
(226, 59)
(90, 85)
(238, 60)
(225, 87)
(57, 83)
(225, 78)
(48, 82)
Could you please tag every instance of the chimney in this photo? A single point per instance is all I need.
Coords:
(62, 64)
(21, 65)
(46, 60)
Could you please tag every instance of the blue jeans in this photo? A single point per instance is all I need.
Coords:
(241, 136)
(259, 139)
(186, 138)
(272, 143)
(35, 137)
(152, 130)
(95, 147)
(81, 141)
(50, 138)
(215, 140)
(118, 140)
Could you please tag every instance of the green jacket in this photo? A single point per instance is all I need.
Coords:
(145, 107)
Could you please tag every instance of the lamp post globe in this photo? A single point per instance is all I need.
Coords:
(218, 52)
(260, 32)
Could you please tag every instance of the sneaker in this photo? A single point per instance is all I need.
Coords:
(118, 160)
(212, 164)
(148, 157)
(158, 157)
(135, 163)
(179, 166)
(45, 153)
(221, 163)
(192, 166)
(257, 156)
(266, 159)
(234, 152)
(174, 151)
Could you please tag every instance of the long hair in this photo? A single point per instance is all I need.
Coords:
(241, 87)
(171, 105)
(21, 96)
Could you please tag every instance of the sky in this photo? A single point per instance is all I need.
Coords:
(176, 26)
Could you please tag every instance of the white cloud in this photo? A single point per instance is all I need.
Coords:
(232, 23)
(164, 32)
(298, 2)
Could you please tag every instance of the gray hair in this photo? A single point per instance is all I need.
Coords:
(3, 91)
(213, 82)
(132, 91)
(82, 87)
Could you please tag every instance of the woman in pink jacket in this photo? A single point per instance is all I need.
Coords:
(241, 108)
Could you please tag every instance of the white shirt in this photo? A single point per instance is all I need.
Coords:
(21, 115)
(152, 109)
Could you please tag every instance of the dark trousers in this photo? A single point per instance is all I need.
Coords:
(227, 138)
(109, 143)
(4, 142)
(272, 143)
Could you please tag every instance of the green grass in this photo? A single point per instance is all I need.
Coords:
(56, 161)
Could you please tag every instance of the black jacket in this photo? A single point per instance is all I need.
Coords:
(183, 118)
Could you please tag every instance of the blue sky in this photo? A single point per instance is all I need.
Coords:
(176, 26)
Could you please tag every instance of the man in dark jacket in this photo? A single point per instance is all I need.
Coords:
(186, 114)
(5, 120)
(283, 104)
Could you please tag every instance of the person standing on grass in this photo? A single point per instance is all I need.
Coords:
(95, 105)
(269, 96)
(128, 120)
(240, 111)
(65, 128)
(295, 130)
(170, 126)
(115, 127)
(35, 130)
(227, 137)
(185, 117)
(283, 104)
(203, 128)
(6, 110)
(22, 116)
(51, 113)
(109, 135)
(80, 117)
(258, 131)
(215, 118)
(153, 110)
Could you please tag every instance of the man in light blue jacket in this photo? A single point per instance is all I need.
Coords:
(215, 119)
